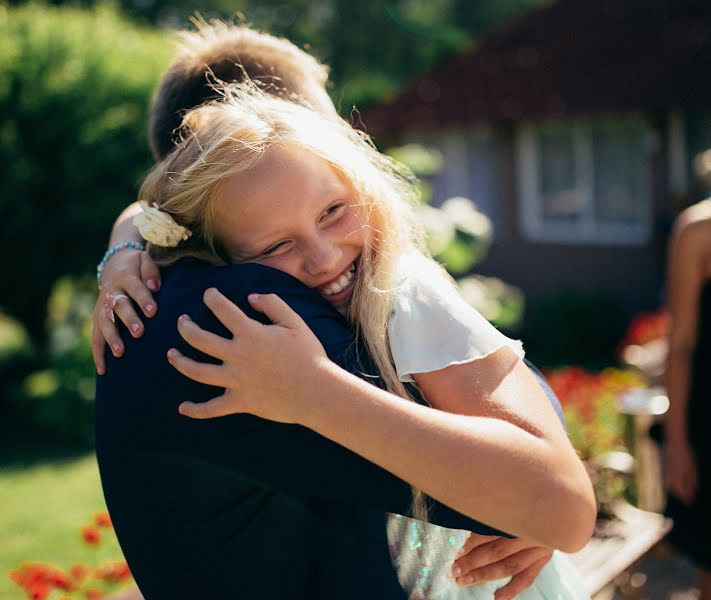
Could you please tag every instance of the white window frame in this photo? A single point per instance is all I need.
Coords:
(586, 231)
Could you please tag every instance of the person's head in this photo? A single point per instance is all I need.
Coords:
(221, 52)
(702, 168)
(256, 178)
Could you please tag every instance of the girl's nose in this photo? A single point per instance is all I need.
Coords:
(323, 257)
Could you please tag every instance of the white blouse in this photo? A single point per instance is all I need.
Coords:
(432, 326)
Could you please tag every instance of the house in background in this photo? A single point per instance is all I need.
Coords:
(574, 130)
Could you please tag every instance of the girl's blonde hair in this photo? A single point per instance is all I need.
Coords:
(231, 136)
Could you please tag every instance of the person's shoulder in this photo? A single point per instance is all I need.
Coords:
(185, 282)
(693, 219)
(415, 271)
(190, 274)
(202, 271)
(692, 229)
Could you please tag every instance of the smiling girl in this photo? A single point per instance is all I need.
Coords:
(257, 179)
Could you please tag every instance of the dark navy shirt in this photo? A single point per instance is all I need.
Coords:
(240, 507)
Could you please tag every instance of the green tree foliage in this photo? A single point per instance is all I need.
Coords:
(373, 47)
(74, 91)
(58, 398)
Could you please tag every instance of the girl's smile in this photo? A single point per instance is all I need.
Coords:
(295, 213)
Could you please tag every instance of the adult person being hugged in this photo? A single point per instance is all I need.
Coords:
(261, 181)
(275, 500)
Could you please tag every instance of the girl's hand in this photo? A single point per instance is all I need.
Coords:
(267, 370)
(133, 274)
(485, 558)
(680, 473)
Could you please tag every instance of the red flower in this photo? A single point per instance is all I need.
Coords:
(113, 572)
(60, 580)
(91, 535)
(647, 327)
(79, 572)
(40, 592)
(39, 579)
(102, 519)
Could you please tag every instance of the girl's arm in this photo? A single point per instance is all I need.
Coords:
(129, 272)
(686, 272)
(495, 465)
(124, 230)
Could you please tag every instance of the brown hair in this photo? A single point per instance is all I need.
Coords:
(220, 52)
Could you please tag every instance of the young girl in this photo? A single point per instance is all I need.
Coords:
(257, 179)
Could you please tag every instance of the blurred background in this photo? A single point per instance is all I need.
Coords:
(554, 142)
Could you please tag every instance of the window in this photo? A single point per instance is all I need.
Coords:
(585, 181)
(470, 168)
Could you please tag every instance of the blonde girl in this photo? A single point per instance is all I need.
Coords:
(257, 179)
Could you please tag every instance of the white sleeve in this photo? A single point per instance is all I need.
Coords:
(433, 327)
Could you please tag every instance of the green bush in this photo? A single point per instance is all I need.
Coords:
(573, 327)
(59, 397)
(74, 93)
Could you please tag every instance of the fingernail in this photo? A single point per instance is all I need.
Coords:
(172, 353)
(116, 348)
(152, 285)
(135, 327)
(253, 297)
(467, 580)
(149, 307)
(456, 571)
(185, 317)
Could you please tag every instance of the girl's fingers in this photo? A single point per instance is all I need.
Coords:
(150, 273)
(205, 341)
(226, 311)
(487, 553)
(217, 407)
(473, 541)
(124, 309)
(278, 311)
(521, 581)
(505, 567)
(97, 346)
(141, 295)
(209, 374)
(109, 331)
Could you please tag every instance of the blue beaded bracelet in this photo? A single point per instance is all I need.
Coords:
(110, 252)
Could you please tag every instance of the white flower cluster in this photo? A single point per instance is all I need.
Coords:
(159, 227)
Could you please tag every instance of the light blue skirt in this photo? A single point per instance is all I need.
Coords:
(423, 554)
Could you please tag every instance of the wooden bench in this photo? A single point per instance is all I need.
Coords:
(618, 543)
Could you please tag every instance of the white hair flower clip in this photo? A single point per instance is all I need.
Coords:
(159, 227)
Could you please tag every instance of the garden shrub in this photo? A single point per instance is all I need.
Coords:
(58, 398)
(573, 327)
(74, 94)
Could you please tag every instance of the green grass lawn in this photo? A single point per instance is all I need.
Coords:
(46, 495)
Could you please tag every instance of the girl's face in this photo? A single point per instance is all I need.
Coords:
(294, 213)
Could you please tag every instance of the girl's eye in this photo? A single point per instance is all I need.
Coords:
(332, 210)
(275, 249)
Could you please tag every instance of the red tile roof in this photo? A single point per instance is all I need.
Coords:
(571, 57)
